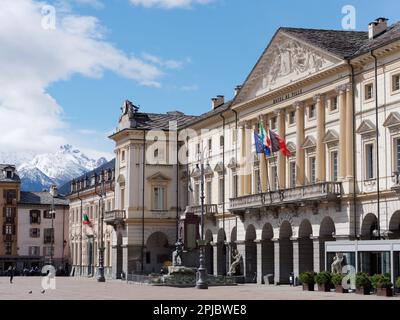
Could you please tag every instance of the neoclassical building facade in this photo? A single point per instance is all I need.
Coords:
(334, 96)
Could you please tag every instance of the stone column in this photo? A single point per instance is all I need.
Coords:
(215, 258)
(281, 157)
(300, 159)
(242, 162)
(349, 131)
(248, 158)
(259, 261)
(263, 167)
(342, 132)
(296, 258)
(276, 261)
(320, 149)
(317, 254)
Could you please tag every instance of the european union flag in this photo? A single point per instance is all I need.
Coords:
(260, 147)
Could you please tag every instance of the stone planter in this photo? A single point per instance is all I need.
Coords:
(340, 289)
(308, 286)
(384, 292)
(324, 287)
(363, 290)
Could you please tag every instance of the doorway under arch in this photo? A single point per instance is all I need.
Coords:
(251, 255)
(267, 251)
(285, 252)
(306, 252)
(209, 252)
(221, 253)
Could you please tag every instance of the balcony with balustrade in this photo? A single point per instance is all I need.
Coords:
(210, 211)
(115, 217)
(298, 196)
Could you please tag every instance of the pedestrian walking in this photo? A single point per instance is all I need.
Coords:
(11, 272)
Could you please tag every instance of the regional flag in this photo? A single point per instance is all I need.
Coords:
(278, 143)
(86, 219)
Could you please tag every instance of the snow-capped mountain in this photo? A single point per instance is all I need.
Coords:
(43, 170)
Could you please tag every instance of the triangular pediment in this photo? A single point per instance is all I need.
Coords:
(291, 147)
(309, 142)
(208, 171)
(392, 120)
(232, 163)
(158, 177)
(286, 60)
(331, 136)
(365, 127)
(219, 167)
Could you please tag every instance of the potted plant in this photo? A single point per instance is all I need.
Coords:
(398, 284)
(323, 280)
(307, 280)
(363, 283)
(382, 284)
(337, 282)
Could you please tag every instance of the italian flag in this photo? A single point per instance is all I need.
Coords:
(86, 219)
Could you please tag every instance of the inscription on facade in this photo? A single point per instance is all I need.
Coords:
(288, 96)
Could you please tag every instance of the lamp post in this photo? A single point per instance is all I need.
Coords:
(53, 194)
(101, 277)
(202, 271)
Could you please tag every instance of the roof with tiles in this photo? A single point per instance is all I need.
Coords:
(41, 198)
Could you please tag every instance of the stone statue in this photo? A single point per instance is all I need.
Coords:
(336, 266)
(237, 258)
(177, 254)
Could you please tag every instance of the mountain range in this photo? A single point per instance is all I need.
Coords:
(39, 172)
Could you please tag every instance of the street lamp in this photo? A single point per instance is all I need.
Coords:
(53, 194)
(101, 277)
(202, 271)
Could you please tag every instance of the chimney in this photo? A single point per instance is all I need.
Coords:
(377, 27)
(53, 191)
(237, 89)
(217, 101)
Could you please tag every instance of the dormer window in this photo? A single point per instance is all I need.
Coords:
(9, 174)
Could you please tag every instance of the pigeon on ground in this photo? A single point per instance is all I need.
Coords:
(30, 292)
(43, 291)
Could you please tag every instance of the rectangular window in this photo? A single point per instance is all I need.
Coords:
(273, 123)
(197, 149)
(209, 147)
(34, 251)
(159, 198)
(292, 174)
(397, 154)
(47, 214)
(235, 186)
(292, 117)
(9, 174)
(368, 91)
(369, 161)
(48, 235)
(312, 170)
(311, 111)
(48, 251)
(334, 165)
(209, 192)
(220, 190)
(396, 82)
(8, 247)
(34, 232)
(274, 178)
(334, 104)
(34, 216)
(9, 229)
(221, 141)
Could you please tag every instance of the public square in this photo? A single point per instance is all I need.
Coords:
(90, 289)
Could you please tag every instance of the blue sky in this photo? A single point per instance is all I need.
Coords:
(202, 50)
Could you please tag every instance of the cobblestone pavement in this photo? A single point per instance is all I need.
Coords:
(89, 289)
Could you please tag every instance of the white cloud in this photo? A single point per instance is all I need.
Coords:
(169, 4)
(169, 64)
(32, 58)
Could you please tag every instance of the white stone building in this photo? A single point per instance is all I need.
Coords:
(334, 96)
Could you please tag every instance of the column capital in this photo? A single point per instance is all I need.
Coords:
(298, 104)
(349, 87)
(319, 97)
(280, 111)
(341, 89)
